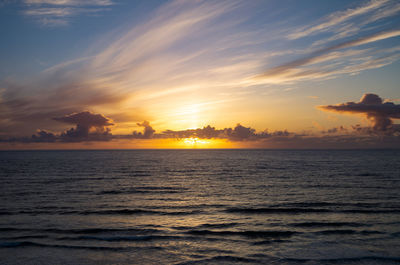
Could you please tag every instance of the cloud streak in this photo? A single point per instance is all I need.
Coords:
(295, 70)
(378, 8)
(59, 12)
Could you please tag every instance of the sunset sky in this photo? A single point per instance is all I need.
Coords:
(199, 74)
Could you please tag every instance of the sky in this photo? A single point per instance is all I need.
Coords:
(101, 74)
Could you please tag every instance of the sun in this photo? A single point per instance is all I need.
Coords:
(194, 141)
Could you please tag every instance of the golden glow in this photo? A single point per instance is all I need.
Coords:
(194, 141)
(133, 144)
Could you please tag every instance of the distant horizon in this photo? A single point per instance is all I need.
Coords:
(210, 149)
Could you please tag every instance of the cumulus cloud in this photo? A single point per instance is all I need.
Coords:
(95, 127)
(85, 119)
(379, 112)
(44, 136)
(89, 126)
(147, 133)
(206, 132)
(238, 133)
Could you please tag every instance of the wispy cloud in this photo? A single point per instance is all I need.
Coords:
(340, 21)
(147, 59)
(59, 12)
(69, 2)
(299, 69)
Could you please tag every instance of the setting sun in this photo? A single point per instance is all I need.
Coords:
(197, 143)
(193, 141)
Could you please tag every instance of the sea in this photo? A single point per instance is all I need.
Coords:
(200, 207)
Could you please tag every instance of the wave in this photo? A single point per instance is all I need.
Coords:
(145, 189)
(16, 244)
(385, 211)
(122, 238)
(269, 210)
(347, 232)
(268, 242)
(327, 224)
(83, 230)
(219, 259)
(112, 212)
(372, 259)
(36, 244)
(9, 229)
(102, 230)
(23, 237)
(249, 233)
(276, 210)
(220, 225)
(328, 204)
(105, 212)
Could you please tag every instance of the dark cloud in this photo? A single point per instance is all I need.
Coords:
(96, 127)
(85, 119)
(334, 130)
(147, 133)
(26, 107)
(44, 136)
(207, 132)
(89, 127)
(241, 133)
(380, 113)
(238, 133)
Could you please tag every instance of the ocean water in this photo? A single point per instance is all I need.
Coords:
(200, 207)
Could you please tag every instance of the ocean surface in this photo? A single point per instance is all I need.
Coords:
(200, 207)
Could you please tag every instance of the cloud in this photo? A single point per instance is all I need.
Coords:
(89, 127)
(43, 136)
(86, 119)
(95, 127)
(69, 2)
(237, 134)
(371, 105)
(241, 133)
(147, 133)
(297, 70)
(59, 12)
(206, 132)
(145, 62)
(373, 11)
(182, 47)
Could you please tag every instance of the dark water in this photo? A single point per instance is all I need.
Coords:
(200, 207)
